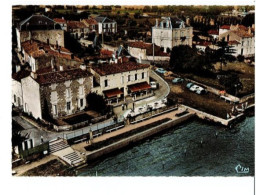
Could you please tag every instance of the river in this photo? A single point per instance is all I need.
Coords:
(193, 149)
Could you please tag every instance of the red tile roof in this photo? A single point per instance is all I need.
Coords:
(60, 20)
(106, 52)
(139, 86)
(149, 48)
(213, 32)
(90, 21)
(234, 42)
(61, 76)
(107, 69)
(113, 92)
(76, 25)
(225, 27)
(37, 49)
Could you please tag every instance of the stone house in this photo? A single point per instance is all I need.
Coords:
(91, 23)
(41, 28)
(145, 51)
(62, 22)
(243, 38)
(58, 93)
(119, 81)
(106, 25)
(39, 55)
(171, 32)
(77, 29)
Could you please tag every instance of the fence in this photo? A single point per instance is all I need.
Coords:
(93, 128)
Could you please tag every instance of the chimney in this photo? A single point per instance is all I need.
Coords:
(62, 18)
(61, 68)
(33, 75)
(17, 68)
(249, 30)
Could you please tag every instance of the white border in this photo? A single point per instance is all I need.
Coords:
(106, 185)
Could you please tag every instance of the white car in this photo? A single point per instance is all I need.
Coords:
(154, 85)
(194, 88)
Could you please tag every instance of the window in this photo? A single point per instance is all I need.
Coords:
(54, 96)
(106, 83)
(135, 77)
(143, 75)
(122, 80)
(55, 112)
(242, 43)
(81, 102)
(68, 105)
(68, 92)
(14, 98)
(129, 78)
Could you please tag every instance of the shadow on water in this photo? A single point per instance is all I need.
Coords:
(192, 149)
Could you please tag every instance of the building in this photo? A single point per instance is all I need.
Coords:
(242, 37)
(77, 29)
(17, 94)
(41, 28)
(171, 32)
(122, 80)
(106, 25)
(62, 22)
(56, 93)
(214, 34)
(39, 55)
(91, 23)
(145, 51)
(202, 45)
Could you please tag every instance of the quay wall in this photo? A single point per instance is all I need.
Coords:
(135, 138)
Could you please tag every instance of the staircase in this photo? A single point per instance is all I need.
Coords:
(61, 149)
(57, 145)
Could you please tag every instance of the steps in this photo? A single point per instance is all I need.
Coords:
(61, 149)
(57, 145)
(72, 158)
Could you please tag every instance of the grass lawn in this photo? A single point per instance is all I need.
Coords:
(209, 103)
(245, 72)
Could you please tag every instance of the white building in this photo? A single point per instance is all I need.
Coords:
(118, 81)
(106, 25)
(171, 32)
(242, 37)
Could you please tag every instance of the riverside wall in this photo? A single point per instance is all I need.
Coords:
(135, 138)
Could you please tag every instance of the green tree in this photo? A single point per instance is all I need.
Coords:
(231, 83)
(224, 52)
(96, 102)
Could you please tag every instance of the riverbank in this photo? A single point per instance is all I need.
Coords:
(118, 144)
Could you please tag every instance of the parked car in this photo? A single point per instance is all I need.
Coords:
(177, 80)
(194, 88)
(161, 70)
(189, 85)
(154, 85)
(168, 73)
(201, 91)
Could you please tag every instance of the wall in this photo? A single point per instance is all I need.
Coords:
(56, 94)
(43, 35)
(17, 91)
(162, 37)
(135, 138)
(31, 97)
(182, 32)
(114, 80)
(138, 53)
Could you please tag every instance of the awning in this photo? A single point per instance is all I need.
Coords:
(112, 92)
(139, 87)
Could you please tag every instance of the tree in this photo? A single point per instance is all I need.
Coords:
(248, 20)
(224, 52)
(96, 102)
(187, 59)
(231, 83)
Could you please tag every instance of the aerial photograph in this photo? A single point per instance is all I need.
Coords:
(132, 90)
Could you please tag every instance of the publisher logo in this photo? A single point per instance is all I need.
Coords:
(241, 169)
